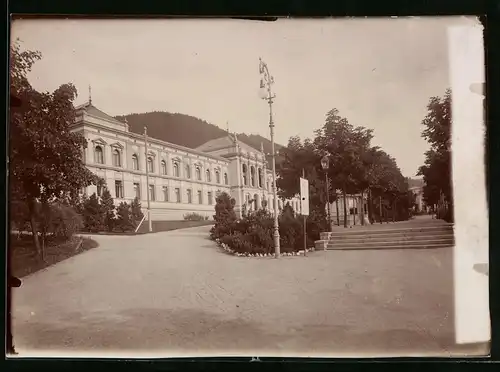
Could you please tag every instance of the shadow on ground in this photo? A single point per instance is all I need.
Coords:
(193, 331)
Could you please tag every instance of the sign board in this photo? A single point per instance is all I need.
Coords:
(304, 197)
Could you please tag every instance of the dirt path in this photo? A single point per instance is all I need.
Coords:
(174, 293)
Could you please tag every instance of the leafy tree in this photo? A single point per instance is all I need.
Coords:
(108, 209)
(45, 160)
(124, 217)
(93, 217)
(437, 167)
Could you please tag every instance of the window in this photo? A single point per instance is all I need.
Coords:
(176, 168)
(198, 173)
(208, 175)
(135, 162)
(117, 161)
(267, 188)
(151, 168)
(260, 177)
(137, 190)
(118, 189)
(163, 167)
(245, 179)
(200, 197)
(98, 155)
(165, 193)
(189, 196)
(210, 198)
(177, 195)
(226, 181)
(152, 192)
(188, 171)
(217, 176)
(99, 190)
(252, 175)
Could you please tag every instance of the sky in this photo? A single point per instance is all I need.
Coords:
(379, 73)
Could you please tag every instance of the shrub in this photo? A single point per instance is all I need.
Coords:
(108, 210)
(224, 217)
(124, 217)
(194, 217)
(136, 211)
(92, 214)
(65, 221)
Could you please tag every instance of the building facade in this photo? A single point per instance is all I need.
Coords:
(181, 180)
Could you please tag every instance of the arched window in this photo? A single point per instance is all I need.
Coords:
(245, 178)
(188, 171)
(260, 177)
(208, 175)
(176, 169)
(163, 167)
(151, 168)
(98, 155)
(252, 175)
(226, 180)
(217, 176)
(198, 173)
(117, 161)
(135, 162)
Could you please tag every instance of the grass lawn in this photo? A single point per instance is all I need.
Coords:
(159, 226)
(25, 261)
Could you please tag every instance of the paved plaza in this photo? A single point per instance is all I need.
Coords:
(176, 294)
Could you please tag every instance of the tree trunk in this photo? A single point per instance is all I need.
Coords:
(354, 209)
(362, 211)
(380, 207)
(34, 229)
(345, 207)
(370, 214)
(337, 208)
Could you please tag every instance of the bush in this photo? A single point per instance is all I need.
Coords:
(93, 217)
(194, 217)
(124, 217)
(136, 211)
(224, 217)
(108, 210)
(65, 221)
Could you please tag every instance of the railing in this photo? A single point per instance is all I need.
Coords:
(140, 223)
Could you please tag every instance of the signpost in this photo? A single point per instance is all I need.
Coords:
(304, 204)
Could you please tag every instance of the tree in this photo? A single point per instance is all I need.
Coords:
(124, 217)
(93, 217)
(136, 210)
(437, 167)
(108, 209)
(45, 160)
(224, 217)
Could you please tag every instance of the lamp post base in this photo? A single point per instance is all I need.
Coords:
(276, 236)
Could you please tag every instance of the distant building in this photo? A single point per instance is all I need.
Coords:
(181, 180)
(416, 186)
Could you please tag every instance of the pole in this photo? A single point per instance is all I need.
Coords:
(304, 217)
(147, 178)
(328, 200)
(276, 234)
(269, 80)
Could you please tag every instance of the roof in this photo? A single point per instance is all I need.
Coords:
(94, 111)
(226, 142)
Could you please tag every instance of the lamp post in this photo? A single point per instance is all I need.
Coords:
(150, 223)
(266, 83)
(325, 164)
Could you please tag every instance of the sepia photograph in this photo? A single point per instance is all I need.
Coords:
(247, 188)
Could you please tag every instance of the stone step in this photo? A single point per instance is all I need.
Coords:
(391, 243)
(393, 247)
(391, 237)
(393, 231)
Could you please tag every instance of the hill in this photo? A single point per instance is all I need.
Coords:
(185, 130)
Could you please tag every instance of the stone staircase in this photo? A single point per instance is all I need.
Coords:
(405, 235)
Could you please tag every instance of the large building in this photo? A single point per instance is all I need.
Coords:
(181, 180)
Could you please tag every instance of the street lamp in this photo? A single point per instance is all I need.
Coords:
(325, 164)
(266, 81)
